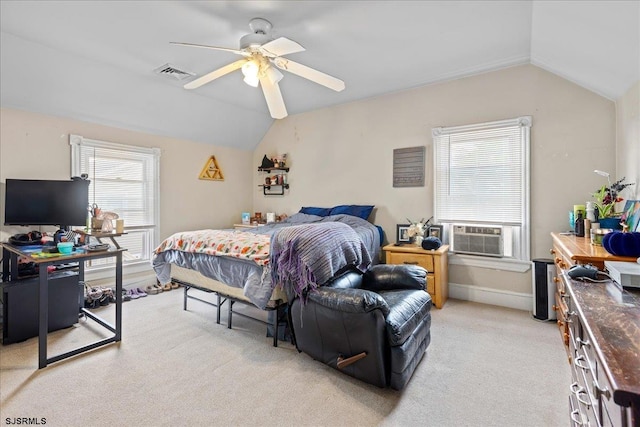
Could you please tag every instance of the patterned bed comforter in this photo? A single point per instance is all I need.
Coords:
(230, 243)
(245, 259)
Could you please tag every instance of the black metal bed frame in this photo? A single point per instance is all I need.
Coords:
(222, 298)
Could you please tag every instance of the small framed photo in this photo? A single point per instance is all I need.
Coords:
(435, 231)
(246, 217)
(402, 233)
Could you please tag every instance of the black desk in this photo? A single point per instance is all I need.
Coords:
(10, 272)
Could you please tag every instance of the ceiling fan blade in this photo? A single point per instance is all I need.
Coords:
(310, 74)
(204, 46)
(280, 46)
(215, 74)
(274, 98)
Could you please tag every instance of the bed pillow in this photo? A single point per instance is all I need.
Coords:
(361, 211)
(315, 211)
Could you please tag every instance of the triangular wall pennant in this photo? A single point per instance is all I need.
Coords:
(211, 170)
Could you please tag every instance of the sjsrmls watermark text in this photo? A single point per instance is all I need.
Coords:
(26, 421)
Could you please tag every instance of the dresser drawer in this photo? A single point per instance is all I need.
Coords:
(423, 260)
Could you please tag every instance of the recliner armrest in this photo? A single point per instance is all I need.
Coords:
(389, 277)
(349, 300)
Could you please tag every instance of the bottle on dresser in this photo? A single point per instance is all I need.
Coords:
(579, 225)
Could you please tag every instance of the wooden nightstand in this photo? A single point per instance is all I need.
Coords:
(436, 262)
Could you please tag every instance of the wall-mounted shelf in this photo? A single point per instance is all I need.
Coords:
(268, 187)
(281, 186)
(272, 169)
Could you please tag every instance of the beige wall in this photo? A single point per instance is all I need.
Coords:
(344, 154)
(36, 146)
(628, 140)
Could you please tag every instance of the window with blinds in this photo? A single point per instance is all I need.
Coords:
(481, 175)
(125, 180)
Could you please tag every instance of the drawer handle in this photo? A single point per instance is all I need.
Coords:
(581, 359)
(583, 343)
(411, 262)
(576, 417)
(587, 402)
(575, 388)
(601, 391)
(578, 390)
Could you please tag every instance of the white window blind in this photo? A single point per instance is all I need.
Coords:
(125, 180)
(482, 177)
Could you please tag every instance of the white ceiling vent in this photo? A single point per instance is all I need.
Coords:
(171, 71)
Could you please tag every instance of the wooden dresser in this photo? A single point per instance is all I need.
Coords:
(600, 328)
(436, 262)
(569, 250)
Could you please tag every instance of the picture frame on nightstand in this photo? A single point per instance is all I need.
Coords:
(435, 231)
(402, 233)
(246, 218)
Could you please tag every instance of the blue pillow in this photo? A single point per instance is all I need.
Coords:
(315, 211)
(361, 211)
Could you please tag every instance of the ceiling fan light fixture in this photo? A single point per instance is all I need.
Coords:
(273, 75)
(250, 70)
(252, 80)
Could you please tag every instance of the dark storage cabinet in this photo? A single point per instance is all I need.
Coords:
(20, 305)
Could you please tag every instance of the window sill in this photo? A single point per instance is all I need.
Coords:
(491, 263)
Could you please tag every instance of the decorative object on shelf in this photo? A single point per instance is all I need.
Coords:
(211, 170)
(622, 244)
(246, 218)
(606, 198)
(266, 163)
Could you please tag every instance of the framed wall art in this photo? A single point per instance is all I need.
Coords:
(632, 213)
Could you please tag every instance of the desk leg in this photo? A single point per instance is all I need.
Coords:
(114, 242)
(43, 302)
(118, 335)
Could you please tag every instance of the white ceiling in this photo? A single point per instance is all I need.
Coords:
(94, 60)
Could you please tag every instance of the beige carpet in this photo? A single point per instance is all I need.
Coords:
(486, 366)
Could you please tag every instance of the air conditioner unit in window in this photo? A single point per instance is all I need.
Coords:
(477, 240)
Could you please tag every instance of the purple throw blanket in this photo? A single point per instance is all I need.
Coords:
(304, 257)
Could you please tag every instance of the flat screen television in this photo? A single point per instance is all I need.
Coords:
(45, 202)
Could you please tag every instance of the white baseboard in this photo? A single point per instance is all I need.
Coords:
(491, 296)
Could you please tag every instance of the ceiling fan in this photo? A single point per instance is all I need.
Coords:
(261, 52)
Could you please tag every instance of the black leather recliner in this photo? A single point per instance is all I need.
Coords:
(373, 326)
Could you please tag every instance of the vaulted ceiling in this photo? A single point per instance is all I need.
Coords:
(95, 60)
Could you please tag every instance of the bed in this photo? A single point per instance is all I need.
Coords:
(269, 265)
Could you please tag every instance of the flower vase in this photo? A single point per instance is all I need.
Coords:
(611, 223)
(418, 240)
